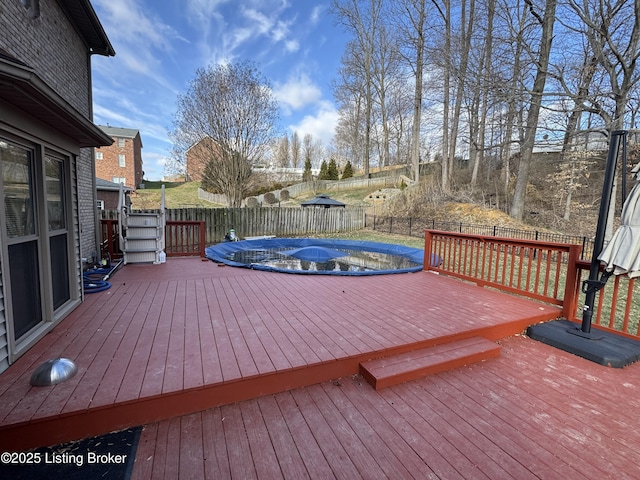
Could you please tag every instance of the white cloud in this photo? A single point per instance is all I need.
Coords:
(320, 125)
(136, 34)
(292, 46)
(297, 92)
(153, 164)
(315, 14)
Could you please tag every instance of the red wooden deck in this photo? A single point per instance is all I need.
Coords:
(533, 413)
(184, 337)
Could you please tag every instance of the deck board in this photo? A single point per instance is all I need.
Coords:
(480, 421)
(187, 335)
(306, 443)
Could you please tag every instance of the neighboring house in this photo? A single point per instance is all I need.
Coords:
(121, 162)
(198, 156)
(48, 220)
(108, 193)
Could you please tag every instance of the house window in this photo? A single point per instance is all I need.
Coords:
(98, 155)
(100, 204)
(121, 160)
(120, 142)
(119, 180)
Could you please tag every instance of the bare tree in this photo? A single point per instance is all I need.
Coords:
(483, 94)
(413, 28)
(362, 18)
(282, 152)
(230, 111)
(295, 149)
(547, 23)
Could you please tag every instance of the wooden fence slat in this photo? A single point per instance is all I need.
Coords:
(278, 221)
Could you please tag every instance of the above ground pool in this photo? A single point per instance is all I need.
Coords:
(318, 256)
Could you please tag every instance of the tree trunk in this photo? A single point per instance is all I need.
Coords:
(417, 95)
(520, 193)
(466, 34)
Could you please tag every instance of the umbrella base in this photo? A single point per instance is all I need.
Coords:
(604, 348)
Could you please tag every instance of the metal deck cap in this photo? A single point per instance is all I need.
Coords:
(53, 371)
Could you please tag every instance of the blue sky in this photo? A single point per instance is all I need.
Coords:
(159, 45)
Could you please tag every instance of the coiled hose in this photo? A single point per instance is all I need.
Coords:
(93, 280)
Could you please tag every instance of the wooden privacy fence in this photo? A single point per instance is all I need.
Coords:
(540, 270)
(278, 221)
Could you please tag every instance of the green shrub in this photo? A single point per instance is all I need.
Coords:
(284, 195)
(252, 202)
(323, 175)
(332, 170)
(348, 171)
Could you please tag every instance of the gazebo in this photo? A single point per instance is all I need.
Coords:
(323, 201)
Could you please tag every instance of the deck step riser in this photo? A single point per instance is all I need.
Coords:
(389, 371)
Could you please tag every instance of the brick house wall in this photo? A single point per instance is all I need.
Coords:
(46, 123)
(110, 199)
(197, 158)
(126, 142)
(109, 193)
(50, 44)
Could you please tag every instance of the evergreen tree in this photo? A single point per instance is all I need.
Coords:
(348, 171)
(307, 176)
(323, 171)
(332, 170)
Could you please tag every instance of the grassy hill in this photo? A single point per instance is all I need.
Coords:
(544, 208)
(185, 195)
(177, 195)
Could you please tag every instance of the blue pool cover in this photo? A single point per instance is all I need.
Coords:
(267, 254)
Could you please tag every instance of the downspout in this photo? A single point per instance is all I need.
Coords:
(96, 219)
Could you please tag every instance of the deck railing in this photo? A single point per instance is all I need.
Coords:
(185, 238)
(182, 238)
(110, 242)
(614, 308)
(543, 271)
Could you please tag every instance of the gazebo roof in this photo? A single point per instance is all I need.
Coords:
(322, 200)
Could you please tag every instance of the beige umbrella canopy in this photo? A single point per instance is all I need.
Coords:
(622, 253)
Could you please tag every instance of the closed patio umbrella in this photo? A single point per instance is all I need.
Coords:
(622, 253)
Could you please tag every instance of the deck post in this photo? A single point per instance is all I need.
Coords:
(427, 250)
(570, 300)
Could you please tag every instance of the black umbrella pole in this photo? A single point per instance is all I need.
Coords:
(605, 202)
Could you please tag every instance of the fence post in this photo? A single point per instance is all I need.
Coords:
(390, 224)
(202, 238)
(410, 219)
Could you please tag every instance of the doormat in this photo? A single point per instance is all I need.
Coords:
(109, 456)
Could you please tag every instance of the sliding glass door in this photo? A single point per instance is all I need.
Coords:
(36, 217)
(23, 243)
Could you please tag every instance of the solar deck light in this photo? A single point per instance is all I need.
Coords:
(53, 371)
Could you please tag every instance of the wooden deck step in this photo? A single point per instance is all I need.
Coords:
(388, 371)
